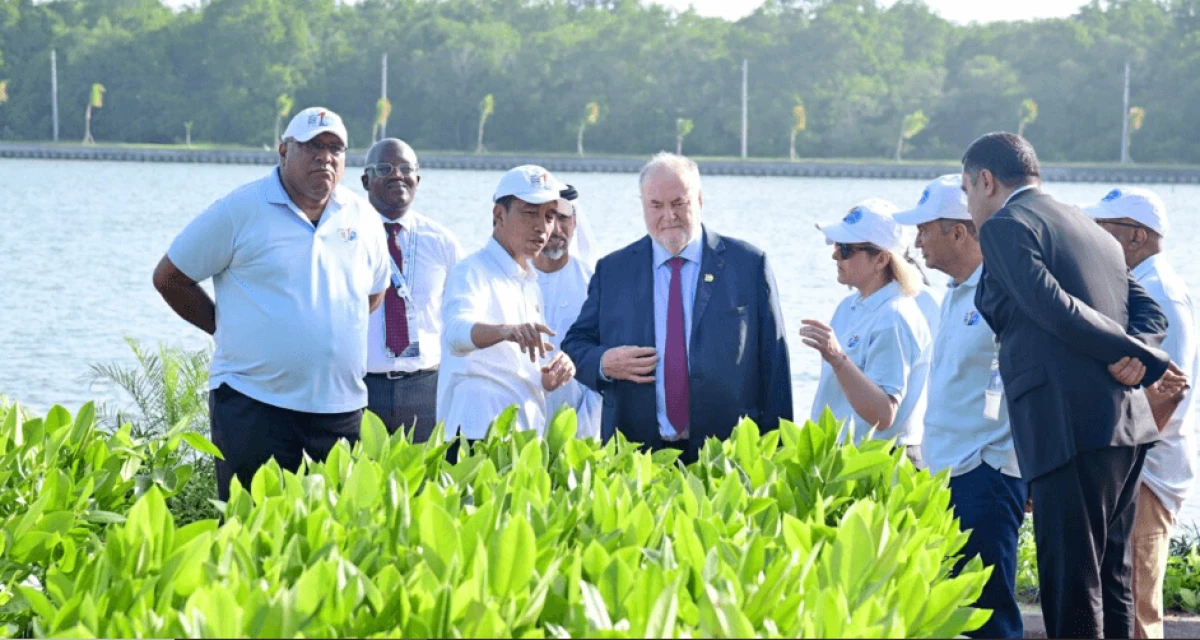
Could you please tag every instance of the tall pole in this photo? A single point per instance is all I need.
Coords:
(1125, 119)
(745, 101)
(383, 94)
(54, 90)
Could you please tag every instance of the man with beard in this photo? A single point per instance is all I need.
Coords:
(298, 263)
(494, 355)
(563, 277)
(404, 340)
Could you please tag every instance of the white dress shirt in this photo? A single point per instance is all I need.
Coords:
(886, 337)
(957, 434)
(563, 294)
(436, 253)
(1170, 468)
(476, 385)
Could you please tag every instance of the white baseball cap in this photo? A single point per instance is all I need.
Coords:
(530, 183)
(942, 198)
(314, 121)
(1140, 205)
(869, 221)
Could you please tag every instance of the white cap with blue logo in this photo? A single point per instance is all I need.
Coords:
(869, 221)
(942, 199)
(314, 121)
(530, 183)
(1140, 205)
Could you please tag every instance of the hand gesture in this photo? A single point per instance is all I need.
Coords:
(560, 371)
(1128, 371)
(1166, 394)
(528, 336)
(820, 336)
(635, 364)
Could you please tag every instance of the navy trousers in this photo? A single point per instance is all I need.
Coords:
(992, 506)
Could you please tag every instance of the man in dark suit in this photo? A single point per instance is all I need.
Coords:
(1078, 340)
(681, 332)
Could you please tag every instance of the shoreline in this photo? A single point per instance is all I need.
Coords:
(1113, 174)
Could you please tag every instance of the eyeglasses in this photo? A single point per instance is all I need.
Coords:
(314, 147)
(384, 169)
(1131, 225)
(847, 250)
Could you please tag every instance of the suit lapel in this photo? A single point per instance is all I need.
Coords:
(711, 263)
(643, 277)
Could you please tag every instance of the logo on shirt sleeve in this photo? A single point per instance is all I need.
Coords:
(972, 318)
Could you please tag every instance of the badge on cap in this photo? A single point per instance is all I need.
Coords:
(854, 216)
(1112, 195)
(924, 197)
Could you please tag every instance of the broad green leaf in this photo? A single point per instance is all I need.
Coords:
(202, 444)
(511, 558)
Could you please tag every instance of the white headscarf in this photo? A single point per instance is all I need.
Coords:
(583, 243)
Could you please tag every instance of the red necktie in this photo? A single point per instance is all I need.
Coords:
(395, 313)
(675, 366)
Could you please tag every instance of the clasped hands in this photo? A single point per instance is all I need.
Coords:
(1130, 372)
(556, 373)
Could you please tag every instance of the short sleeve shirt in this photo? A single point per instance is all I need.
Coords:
(885, 335)
(292, 299)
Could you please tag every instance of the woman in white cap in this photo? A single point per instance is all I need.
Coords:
(877, 347)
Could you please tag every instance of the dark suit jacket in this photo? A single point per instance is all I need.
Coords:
(738, 358)
(1056, 291)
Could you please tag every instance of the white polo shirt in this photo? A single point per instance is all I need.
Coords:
(957, 435)
(436, 252)
(292, 299)
(476, 385)
(1170, 469)
(886, 336)
(563, 295)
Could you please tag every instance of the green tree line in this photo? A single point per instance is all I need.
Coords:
(858, 69)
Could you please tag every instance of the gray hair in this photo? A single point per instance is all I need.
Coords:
(682, 166)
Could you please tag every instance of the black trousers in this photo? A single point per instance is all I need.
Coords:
(249, 433)
(409, 402)
(1083, 514)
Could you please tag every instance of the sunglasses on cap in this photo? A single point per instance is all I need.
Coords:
(846, 250)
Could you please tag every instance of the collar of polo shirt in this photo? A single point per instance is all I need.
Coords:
(876, 300)
(507, 264)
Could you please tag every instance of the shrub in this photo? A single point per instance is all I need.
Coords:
(784, 534)
(62, 482)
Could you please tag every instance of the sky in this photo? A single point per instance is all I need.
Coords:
(960, 11)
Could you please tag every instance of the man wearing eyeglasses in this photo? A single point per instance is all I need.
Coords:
(1137, 218)
(297, 262)
(404, 340)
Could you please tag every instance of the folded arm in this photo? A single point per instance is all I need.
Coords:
(1014, 261)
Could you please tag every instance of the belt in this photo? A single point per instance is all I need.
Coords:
(401, 375)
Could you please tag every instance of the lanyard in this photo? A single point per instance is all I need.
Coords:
(403, 279)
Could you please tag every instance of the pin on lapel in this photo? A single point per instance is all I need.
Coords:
(708, 277)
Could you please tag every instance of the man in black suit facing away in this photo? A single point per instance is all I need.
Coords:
(1078, 342)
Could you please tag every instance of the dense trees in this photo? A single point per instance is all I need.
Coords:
(857, 67)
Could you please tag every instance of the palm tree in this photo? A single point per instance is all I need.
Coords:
(799, 125)
(913, 124)
(383, 109)
(95, 101)
(683, 126)
(1029, 113)
(591, 115)
(486, 107)
(3, 91)
(283, 107)
(168, 386)
(187, 128)
(1137, 117)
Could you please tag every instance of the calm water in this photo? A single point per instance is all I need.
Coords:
(82, 240)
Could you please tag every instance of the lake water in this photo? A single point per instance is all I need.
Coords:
(82, 239)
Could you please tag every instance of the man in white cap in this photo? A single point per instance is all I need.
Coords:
(1137, 218)
(962, 432)
(563, 277)
(493, 351)
(298, 262)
